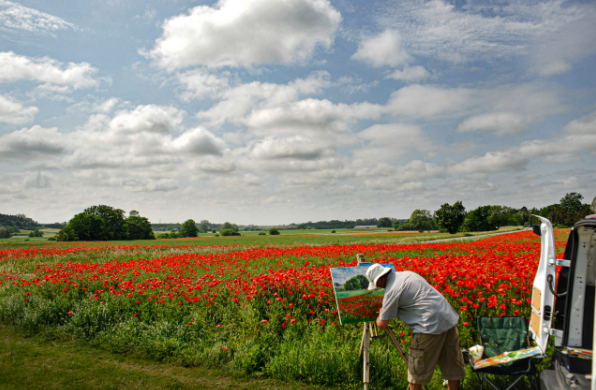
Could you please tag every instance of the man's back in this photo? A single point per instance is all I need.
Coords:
(418, 304)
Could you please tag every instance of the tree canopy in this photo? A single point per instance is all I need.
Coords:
(450, 217)
(358, 282)
(189, 228)
(106, 223)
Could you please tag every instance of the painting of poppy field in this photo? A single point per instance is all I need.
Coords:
(355, 303)
(258, 309)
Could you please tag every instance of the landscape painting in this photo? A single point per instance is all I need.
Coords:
(355, 302)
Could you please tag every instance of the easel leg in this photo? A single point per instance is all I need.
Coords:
(399, 348)
(365, 360)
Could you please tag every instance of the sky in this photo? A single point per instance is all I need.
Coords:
(279, 111)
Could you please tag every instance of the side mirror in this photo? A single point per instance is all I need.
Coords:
(536, 229)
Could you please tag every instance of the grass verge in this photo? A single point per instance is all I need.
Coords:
(34, 363)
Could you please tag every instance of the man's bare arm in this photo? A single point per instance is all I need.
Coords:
(382, 323)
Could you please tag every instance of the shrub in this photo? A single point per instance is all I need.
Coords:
(262, 234)
(273, 232)
(52, 239)
(216, 235)
(229, 232)
(333, 231)
(163, 236)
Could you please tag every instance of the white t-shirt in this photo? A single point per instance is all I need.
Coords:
(418, 304)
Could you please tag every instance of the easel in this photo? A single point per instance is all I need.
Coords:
(371, 332)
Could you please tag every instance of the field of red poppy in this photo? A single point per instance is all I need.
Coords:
(257, 309)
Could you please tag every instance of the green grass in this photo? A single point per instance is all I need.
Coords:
(35, 363)
(287, 237)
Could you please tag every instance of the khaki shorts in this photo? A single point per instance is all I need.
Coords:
(427, 350)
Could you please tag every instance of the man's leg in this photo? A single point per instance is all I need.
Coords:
(451, 361)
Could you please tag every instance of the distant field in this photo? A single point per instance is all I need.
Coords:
(287, 237)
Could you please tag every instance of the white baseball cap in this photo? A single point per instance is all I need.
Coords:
(374, 273)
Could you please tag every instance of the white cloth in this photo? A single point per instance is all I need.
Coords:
(418, 304)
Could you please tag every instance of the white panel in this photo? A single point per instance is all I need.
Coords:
(580, 280)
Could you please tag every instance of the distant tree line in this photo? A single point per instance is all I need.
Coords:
(454, 218)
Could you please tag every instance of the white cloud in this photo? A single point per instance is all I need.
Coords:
(562, 149)
(500, 123)
(14, 67)
(298, 148)
(428, 101)
(385, 49)
(13, 112)
(504, 109)
(390, 142)
(583, 125)
(148, 118)
(553, 33)
(243, 33)
(33, 143)
(14, 16)
(410, 74)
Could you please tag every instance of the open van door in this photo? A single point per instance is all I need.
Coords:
(543, 297)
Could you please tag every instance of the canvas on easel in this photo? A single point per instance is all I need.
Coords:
(355, 303)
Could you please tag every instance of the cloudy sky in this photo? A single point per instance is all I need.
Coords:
(280, 111)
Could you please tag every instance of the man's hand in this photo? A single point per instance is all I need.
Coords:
(382, 323)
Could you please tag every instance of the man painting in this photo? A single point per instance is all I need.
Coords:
(423, 309)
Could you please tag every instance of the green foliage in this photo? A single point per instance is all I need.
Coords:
(52, 239)
(4, 233)
(106, 223)
(113, 222)
(138, 228)
(479, 220)
(67, 233)
(333, 231)
(262, 234)
(228, 225)
(450, 217)
(18, 221)
(572, 202)
(384, 222)
(358, 282)
(273, 232)
(35, 233)
(87, 227)
(189, 228)
(229, 232)
(421, 220)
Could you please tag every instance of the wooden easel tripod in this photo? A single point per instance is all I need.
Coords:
(371, 332)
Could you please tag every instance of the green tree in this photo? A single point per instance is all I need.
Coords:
(572, 202)
(67, 233)
(358, 282)
(273, 232)
(189, 228)
(87, 227)
(478, 220)
(4, 233)
(113, 221)
(450, 217)
(228, 225)
(421, 220)
(138, 228)
(384, 222)
(204, 226)
(229, 232)
(35, 233)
